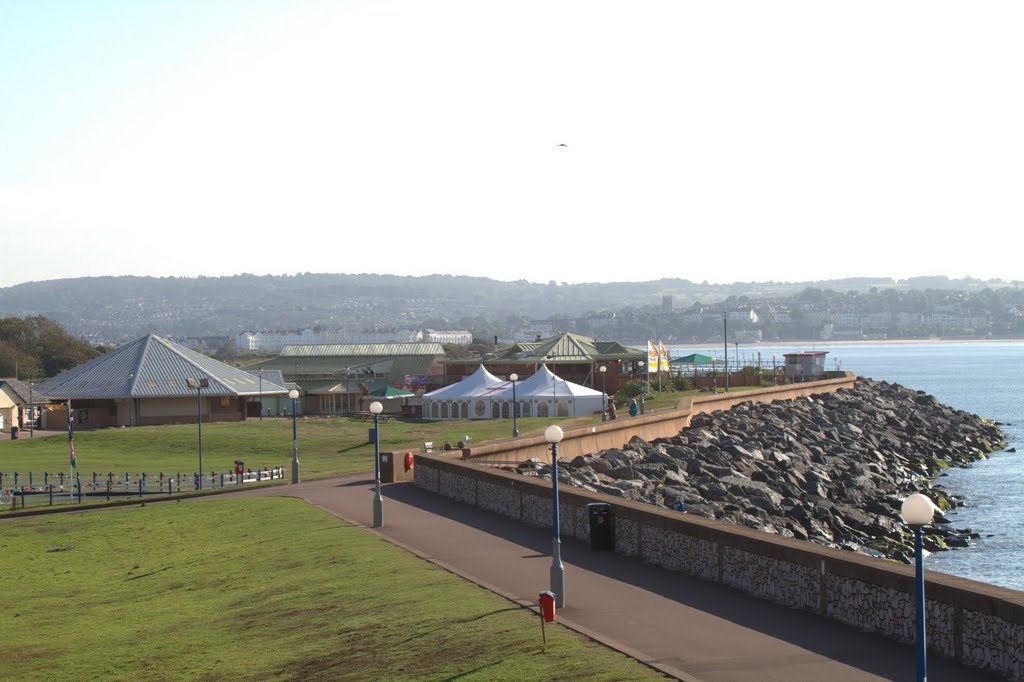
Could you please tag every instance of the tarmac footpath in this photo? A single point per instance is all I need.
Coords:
(682, 626)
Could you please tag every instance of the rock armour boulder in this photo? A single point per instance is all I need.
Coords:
(831, 468)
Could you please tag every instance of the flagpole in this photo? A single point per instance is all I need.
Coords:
(71, 454)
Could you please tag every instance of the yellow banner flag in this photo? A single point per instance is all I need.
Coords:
(662, 357)
(652, 358)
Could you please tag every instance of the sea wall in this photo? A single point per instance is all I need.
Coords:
(980, 625)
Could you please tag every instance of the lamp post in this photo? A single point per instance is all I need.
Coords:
(199, 385)
(31, 412)
(604, 395)
(515, 405)
(378, 502)
(639, 368)
(293, 394)
(775, 372)
(725, 344)
(131, 399)
(918, 510)
(261, 394)
(553, 434)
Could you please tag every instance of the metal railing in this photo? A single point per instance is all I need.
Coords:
(23, 489)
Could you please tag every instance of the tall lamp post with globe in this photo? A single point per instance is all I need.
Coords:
(515, 405)
(293, 394)
(604, 394)
(553, 434)
(640, 367)
(918, 511)
(378, 501)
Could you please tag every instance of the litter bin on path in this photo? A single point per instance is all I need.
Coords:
(15, 433)
(602, 526)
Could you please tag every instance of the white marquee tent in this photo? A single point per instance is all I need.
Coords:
(484, 396)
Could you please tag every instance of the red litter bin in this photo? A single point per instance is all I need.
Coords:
(547, 606)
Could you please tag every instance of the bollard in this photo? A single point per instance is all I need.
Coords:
(50, 488)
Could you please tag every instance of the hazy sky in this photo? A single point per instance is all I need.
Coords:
(726, 141)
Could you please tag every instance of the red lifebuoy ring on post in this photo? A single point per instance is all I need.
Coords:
(408, 461)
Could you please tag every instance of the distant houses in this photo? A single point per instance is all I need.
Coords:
(319, 337)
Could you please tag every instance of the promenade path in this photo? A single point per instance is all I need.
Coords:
(685, 627)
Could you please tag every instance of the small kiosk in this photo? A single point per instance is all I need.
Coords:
(805, 366)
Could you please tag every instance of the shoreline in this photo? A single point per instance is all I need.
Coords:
(851, 342)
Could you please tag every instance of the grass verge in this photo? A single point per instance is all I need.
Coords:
(258, 589)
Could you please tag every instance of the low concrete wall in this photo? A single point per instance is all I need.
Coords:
(980, 625)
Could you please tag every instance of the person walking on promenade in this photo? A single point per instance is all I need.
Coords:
(611, 409)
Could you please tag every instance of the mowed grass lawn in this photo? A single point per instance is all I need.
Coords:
(258, 589)
(327, 446)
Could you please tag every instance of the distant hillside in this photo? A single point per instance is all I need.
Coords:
(113, 309)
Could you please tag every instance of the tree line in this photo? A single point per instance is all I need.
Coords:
(35, 348)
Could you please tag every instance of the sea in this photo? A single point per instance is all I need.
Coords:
(982, 377)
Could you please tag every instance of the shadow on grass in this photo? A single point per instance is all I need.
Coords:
(461, 621)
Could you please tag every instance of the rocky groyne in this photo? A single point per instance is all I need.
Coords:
(831, 468)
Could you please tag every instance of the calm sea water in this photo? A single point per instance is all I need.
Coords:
(980, 377)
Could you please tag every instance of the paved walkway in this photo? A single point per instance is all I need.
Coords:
(688, 628)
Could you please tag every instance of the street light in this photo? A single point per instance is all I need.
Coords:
(553, 434)
(260, 372)
(918, 510)
(775, 372)
(378, 502)
(131, 400)
(199, 385)
(604, 395)
(515, 405)
(293, 394)
(639, 366)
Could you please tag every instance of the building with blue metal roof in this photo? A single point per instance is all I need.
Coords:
(148, 382)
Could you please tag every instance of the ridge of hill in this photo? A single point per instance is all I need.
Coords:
(117, 308)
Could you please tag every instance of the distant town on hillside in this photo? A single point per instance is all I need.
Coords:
(249, 312)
